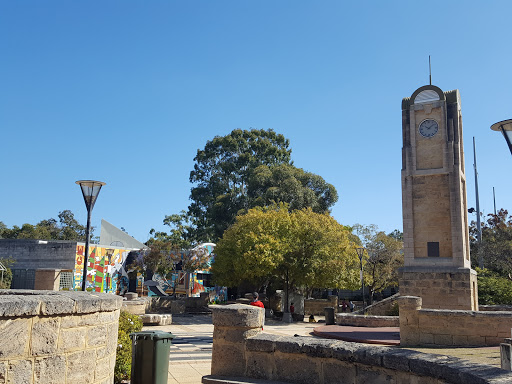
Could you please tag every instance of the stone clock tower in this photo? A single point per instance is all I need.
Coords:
(436, 239)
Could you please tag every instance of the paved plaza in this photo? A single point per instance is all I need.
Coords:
(191, 350)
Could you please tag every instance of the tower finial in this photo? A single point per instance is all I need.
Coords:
(429, 71)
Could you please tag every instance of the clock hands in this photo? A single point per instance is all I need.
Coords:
(428, 128)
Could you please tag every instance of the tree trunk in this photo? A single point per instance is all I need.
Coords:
(287, 307)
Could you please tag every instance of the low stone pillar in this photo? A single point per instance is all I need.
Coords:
(505, 354)
(47, 279)
(409, 320)
(232, 325)
(131, 296)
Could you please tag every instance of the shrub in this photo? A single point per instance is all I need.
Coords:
(394, 310)
(5, 280)
(128, 323)
(493, 289)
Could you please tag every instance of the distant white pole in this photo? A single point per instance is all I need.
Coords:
(478, 226)
(494, 200)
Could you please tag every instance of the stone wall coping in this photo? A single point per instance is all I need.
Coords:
(320, 300)
(21, 302)
(464, 313)
(376, 317)
(434, 269)
(490, 308)
(450, 369)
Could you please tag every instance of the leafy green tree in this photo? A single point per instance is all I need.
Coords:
(221, 173)
(156, 259)
(181, 233)
(496, 245)
(5, 276)
(493, 289)
(67, 228)
(384, 255)
(70, 228)
(397, 235)
(163, 258)
(243, 170)
(301, 248)
(3, 227)
(288, 184)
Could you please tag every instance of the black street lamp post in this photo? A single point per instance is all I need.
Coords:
(360, 253)
(505, 127)
(90, 191)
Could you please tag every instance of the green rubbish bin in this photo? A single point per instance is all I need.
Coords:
(150, 357)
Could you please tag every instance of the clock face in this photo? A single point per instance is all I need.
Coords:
(428, 128)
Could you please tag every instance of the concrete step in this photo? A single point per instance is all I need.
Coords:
(237, 380)
(198, 311)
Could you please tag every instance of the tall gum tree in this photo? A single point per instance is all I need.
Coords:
(221, 172)
(246, 169)
(288, 184)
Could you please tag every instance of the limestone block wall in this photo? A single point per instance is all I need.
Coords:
(58, 337)
(441, 287)
(241, 349)
(316, 306)
(380, 308)
(420, 326)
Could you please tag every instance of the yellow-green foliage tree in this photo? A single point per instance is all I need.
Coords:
(303, 248)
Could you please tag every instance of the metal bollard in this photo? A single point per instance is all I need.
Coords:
(329, 315)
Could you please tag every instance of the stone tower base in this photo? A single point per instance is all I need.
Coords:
(440, 287)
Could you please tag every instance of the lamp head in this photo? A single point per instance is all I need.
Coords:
(504, 127)
(90, 191)
(360, 252)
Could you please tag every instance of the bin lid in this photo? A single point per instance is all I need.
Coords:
(151, 335)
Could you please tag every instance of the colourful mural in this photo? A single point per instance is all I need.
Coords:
(105, 272)
(192, 283)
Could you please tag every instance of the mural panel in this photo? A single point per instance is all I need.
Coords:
(105, 272)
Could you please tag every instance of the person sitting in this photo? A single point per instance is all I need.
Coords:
(255, 300)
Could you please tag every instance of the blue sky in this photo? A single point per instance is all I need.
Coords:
(126, 92)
